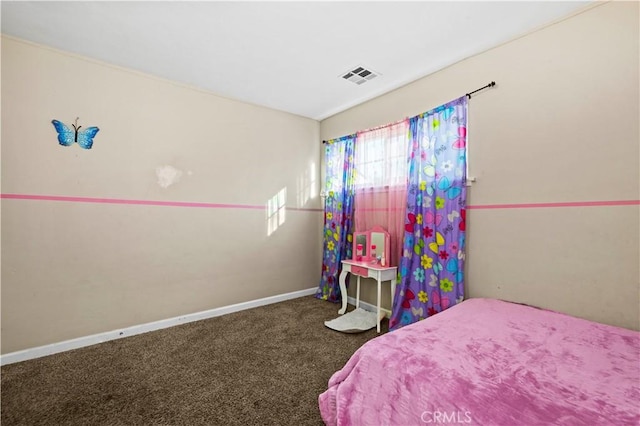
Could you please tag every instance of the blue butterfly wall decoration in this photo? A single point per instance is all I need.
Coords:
(67, 136)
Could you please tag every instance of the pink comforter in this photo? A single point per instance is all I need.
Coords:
(490, 362)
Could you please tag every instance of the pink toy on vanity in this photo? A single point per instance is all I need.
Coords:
(371, 246)
(358, 252)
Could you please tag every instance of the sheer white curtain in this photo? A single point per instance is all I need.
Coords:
(381, 170)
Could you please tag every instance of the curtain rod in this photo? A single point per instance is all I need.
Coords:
(346, 136)
(493, 83)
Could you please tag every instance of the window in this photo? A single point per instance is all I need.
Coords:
(381, 157)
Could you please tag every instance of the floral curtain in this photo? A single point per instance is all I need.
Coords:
(338, 214)
(432, 264)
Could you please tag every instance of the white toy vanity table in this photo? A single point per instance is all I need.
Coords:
(367, 266)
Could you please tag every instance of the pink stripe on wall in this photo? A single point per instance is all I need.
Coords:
(263, 207)
(548, 205)
(538, 205)
(143, 202)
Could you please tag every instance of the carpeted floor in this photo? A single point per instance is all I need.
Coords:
(264, 366)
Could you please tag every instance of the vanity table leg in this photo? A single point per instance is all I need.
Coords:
(379, 285)
(358, 293)
(393, 291)
(343, 291)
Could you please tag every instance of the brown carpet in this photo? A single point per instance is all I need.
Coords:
(264, 366)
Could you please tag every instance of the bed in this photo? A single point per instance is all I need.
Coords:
(491, 362)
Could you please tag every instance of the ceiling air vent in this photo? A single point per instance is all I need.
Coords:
(359, 75)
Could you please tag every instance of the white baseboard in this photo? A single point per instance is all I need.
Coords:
(93, 339)
(368, 306)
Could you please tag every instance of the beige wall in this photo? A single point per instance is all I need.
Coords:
(561, 125)
(75, 269)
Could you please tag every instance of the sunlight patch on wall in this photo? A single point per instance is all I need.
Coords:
(306, 186)
(313, 187)
(276, 211)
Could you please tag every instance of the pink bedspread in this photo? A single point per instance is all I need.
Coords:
(490, 362)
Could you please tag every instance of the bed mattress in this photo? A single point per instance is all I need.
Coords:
(490, 362)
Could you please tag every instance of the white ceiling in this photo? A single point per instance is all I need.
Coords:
(283, 55)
